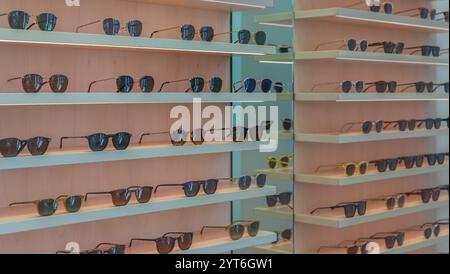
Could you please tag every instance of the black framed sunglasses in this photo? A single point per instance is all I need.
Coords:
(388, 47)
(244, 37)
(287, 124)
(188, 32)
(422, 12)
(431, 123)
(179, 137)
(349, 44)
(350, 208)
(375, 6)
(125, 83)
(345, 86)
(32, 83)
(366, 126)
(122, 197)
(427, 194)
(383, 164)
(166, 243)
(401, 125)
(237, 229)
(197, 84)
(12, 147)
(350, 247)
(422, 86)
(285, 235)
(412, 161)
(48, 207)
(392, 201)
(389, 238)
(382, 86)
(111, 26)
(245, 182)
(18, 19)
(241, 134)
(283, 198)
(249, 85)
(192, 189)
(99, 141)
(112, 249)
(425, 50)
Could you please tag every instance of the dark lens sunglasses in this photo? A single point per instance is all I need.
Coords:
(125, 83)
(281, 162)
(401, 125)
(350, 44)
(393, 201)
(287, 124)
(179, 137)
(48, 207)
(197, 84)
(12, 147)
(111, 26)
(245, 182)
(245, 36)
(389, 238)
(241, 134)
(389, 47)
(99, 141)
(166, 243)
(121, 197)
(351, 247)
(236, 230)
(437, 158)
(382, 86)
(346, 86)
(285, 235)
(412, 161)
(191, 189)
(423, 13)
(32, 83)
(367, 126)
(350, 209)
(426, 50)
(188, 32)
(421, 86)
(351, 169)
(113, 249)
(283, 198)
(384, 164)
(427, 194)
(250, 85)
(431, 123)
(19, 20)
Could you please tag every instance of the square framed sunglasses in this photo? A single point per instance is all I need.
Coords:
(249, 85)
(347, 86)
(392, 201)
(197, 84)
(125, 83)
(179, 137)
(375, 6)
(122, 197)
(244, 37)
(389, 47)
(48, 207)
(99, 141)
(111, 26)
(242, 134)
(19, 20)
(237, 229)
(33, 83)
(284, 199)
(427, 50)
(12, 147)
(389, 238)
(427, 194)
(350, 208)
(166, 243)
(422, 86)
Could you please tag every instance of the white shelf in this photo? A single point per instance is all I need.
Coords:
(371, 215)
(284, 248)
(347, 138)
(30, 222)
(281, 213)
(341, 179)
(101, 41)
(225, 5)
(369, 97)
(84, 156)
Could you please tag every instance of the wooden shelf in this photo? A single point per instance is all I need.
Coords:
(286, 247)
(369, 97)
(347, 138)
(356, 17)
(101, 41)
(341, 55)
(372, 215)
(89, 213)
(278, 173)
(340, 179)
(84, 156)
(225, 5)
(281, 213)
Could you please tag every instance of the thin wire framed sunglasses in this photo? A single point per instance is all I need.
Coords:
(389, 238)
(392, 201)
(350, 208)
(350, 247)
(12, 147)
(237, 229)
(122, 197)
(249, 85)
(245, 36)
(367, 126)
(166, 243)
(111, 26)
(388, 47)
(375, 6)
(429, 229)
(422, 86)
(33, 83)
(18, 19)
(188, 32)
(349, 44)
(48, 207)
(179, 137)
(351, 169)
(345, 86)
(125, 83)
(99, 141)
(197, 84)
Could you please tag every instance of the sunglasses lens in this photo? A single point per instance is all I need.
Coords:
(47, 207)
(437, 230)
(32, 83)
(134, 28)
(46, 21)
(375, 8)
(147, 83)
(392, 87)
(250, 85)
(121, 197)
(11, 147)
(350, 170)
(165, 245)
(117, 250)
(236, 232)
(412, 124)
(121, 141)
(284, 161)
(253, 229)
(272, 162)
(388, 8)
(18, 19)
(144, 194)
(285, 198)
(272, 200)
(352, 250)
(401, 238)
(59, 83)
(379, 126)
(178, 137)
(261, 180)
(436, 51)
(244, 36)
(363, 168)
(359, 85)
(260, 38)
(111, 26)
(197, 136)
(436, 195)
(428, 232)
(446, 87)
(409, 162)
(266, 85)
(216, 84)
(402, 125)
(393, 164)
(245, 182)
(382, 165)
(352, 44)
(185, 241)
(73, 204)
(279, 87)
(197, 84)
(420, 87)
(207, 34)
(286, 234)
(367, 127)
(187, 32)
(423, 13)
(440, 158)
(98, 142)
(426, 196)
(420, 161)
(390, 242)
(347, 86)
(287, 124)
(401, 201)
(191, 189)
(363, 45)
(38, 145)
(350, 211)
(381, 86)
(437, 123)
(210, 186)
(362, 207)
(390, 203)
(389, 47)
(124, 84)
(399, 48)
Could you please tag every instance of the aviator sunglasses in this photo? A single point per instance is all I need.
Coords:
(197, 84)
(48, 207)
(188, 32)
(237, 228)
(99, 141)
(350, 208)
(111, 26)
(125, 83)
(166, 243)
(122, 197)
(12, 147)
(32, 83)
(20, 19)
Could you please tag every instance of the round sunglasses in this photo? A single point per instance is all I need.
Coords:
(99, 141)
(33, 83)
(283, 198)
(188, 32)
(197, 84)
(12, 147)
(18, 19)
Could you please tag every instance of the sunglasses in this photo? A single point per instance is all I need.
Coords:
(241, 134)
(237, 228)
(191, 189)
(179, 137)
(197, 84)
(166, 243)
(188, 32)
(350, 209)
(113, 249)
(111, 26)
(432, 123)
(281, 162)
(19, 20)
(249, 85)
(48, 207)
(346, 86)
(430, 229)
(125, 83)
(283, 198)
(287, 124)
(12, 147)
(32, 83)
(350, 168)
(393, 201)
(245, 37)
(389, 238)
(427, 194)
(421, 86)
(285, 235)
(389, 47)
(122, 197)
(401, 125)
(423, 13)
(412, 161)
(426, 50)
(384, 164)
(367, 126)
(99, 141)
(245, 182)
(350, 44)
(375, 6)
(351, 249)
(445, 18)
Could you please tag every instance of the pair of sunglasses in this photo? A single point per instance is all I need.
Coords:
(179, 137)
(389, 47)
(33, 83)
(360, 86)
(350, 208)
(351, 247)
(285, 235)
(351, 169)
(384, 164)
(281, 162)
(427, 194)
(430, 229)
(421, 86)
(349, 44)
(375, 6)
(188, 32)
(12, 147)
(418, 160)
(283, 198)
(125, 83)
(367, 126)
(18, 19)
(402, 125)
(111, 26)
(389, 238)
(244, 37)
(425, 50)
(48, 207)
(241, 134)
(166, 243)
(99, 141)
(393, 201)
(237, 229)
(112, 249)
(249, 85)
(287, 124)
(197, 84)
(122, 197)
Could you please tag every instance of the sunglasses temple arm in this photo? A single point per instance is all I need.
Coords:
(325, 166)
(65, 138)
(109, 244)
(211, 227)
(95, 193)
(150, 134)
(369, 85)
(22, 203)
(88, 24)
(328, 43)
(14, 79)
(322, 208)
(322, 84)
(162, 30)
(98, 81)
(235, 90)
(171, 82)
(406, 11)
(140, 240)
(166, 185)
(347, 127)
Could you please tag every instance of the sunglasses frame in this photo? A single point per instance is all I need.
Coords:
(129, 193)
(173, 241)
(26, 143)
(49, 27)
(359, 207)
(345, 166)
(190, 35)
(118, 79)
(359, 86)
(63, 198)
(198, 186)
(360, 45)
(244, 223)
(97, 135)
(55, 77)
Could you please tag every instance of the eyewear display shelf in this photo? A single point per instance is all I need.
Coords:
(91, 55)
(321, 111)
